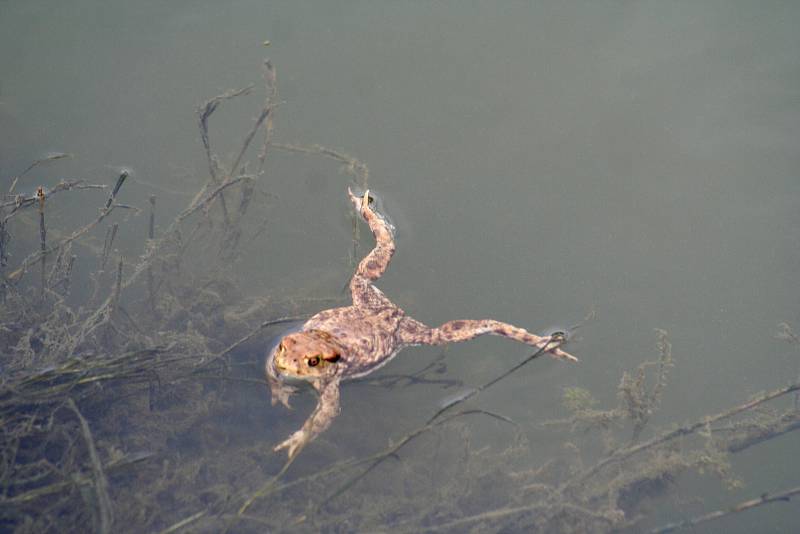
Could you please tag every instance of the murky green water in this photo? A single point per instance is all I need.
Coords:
(635, 158)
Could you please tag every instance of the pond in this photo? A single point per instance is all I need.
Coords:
(635, 162)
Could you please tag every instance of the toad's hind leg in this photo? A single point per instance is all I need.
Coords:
(463, 330)
(376, 262)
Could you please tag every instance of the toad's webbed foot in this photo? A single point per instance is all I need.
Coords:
(294, 443)
(281, 392)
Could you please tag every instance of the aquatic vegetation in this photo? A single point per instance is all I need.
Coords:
(128, 382)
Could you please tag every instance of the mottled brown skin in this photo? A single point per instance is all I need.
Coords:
(353, 341)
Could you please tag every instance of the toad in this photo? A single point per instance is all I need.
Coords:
(353, 341)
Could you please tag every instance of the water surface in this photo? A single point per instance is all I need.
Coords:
(540, 160)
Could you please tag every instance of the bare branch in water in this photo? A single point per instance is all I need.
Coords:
(100, 483)
(33, 258)
(624, 454)
(36, 163)
(205, 111)
(350, 165)
(20, 202)
(270, 82)
(765, 498)
(120, 180)
(253, 333)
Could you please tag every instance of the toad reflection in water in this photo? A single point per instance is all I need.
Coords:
(353, 341)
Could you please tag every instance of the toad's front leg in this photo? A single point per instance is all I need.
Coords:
(319, 420)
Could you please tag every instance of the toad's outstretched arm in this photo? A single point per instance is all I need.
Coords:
(463, 330)
(319, 420)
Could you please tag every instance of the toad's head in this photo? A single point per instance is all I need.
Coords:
(308, 355)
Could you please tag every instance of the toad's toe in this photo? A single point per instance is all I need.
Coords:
(293, 444)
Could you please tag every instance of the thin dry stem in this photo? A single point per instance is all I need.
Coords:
(765, 498)
(624, 454)
(105, 513)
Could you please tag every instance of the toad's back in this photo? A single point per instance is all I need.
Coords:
(368, 335)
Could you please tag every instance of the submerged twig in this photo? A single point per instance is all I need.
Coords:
(42, 236)
(262, 116)
(117, 285)
(205, 111)
(270, 81)
(36, 163)
(120, 180)
(100, 482)
(33, 258)
(764, 498)
(184, 522)
(265, 119)
(623, 454)
(253, 333)
(20, 202)
(352, 166)
(79, 481)
(151, 233)
(111, 234)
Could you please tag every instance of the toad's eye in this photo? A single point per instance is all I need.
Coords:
(313, 361)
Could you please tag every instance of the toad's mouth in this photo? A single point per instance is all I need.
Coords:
(272, 367)
(278, 372)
